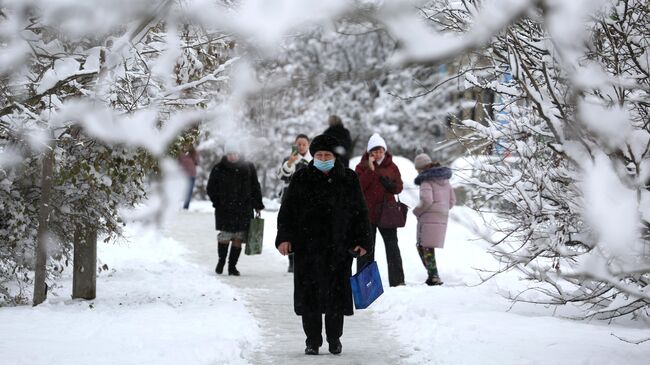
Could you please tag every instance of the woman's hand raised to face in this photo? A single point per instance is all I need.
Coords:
(292, 158)
(371, 162)
(376, 154)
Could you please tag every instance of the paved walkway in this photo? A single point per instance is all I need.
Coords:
(268, 291)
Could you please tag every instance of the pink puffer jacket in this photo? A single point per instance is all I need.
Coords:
(436, 199)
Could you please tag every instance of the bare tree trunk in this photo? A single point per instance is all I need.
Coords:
(84, 276)
(40, 287)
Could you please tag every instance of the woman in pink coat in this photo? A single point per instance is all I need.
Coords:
(436, 198)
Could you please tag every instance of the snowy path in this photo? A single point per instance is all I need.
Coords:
(268, 289)
(161, 303)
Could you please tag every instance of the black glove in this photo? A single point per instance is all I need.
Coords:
(387, 184)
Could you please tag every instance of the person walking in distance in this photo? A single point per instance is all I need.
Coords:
(436, 199)
(235, 192)
(189, 159)
(380, 181)
(299, 159)
(323, 219)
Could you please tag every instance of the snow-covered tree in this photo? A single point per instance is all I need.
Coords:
(95, 96)
(93, 99)
(344, 69)
(572, 183)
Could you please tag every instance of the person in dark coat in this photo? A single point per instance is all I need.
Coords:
(342, 134)
(298, 160)
(380, 181)
(323, 220)
(234, 191)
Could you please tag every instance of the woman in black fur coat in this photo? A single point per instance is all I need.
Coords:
(234, 191)
(323, 219)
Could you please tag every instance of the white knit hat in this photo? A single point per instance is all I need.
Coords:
(232, 146)
(376, 141)
(421, 161)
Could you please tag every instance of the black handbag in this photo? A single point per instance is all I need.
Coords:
(393, 214)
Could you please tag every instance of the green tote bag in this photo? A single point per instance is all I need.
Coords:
(255, 237)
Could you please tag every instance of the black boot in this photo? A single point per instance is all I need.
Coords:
(311, 350)
(433, 281)
(232, 260)
(223, 253)
(335, 347)
(290, 263)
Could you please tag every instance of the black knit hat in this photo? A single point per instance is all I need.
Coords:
(324, 142)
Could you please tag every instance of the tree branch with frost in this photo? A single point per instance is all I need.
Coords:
(49, 91)
(634, 342)
(626, 281)
(489, 18)
(213, 77)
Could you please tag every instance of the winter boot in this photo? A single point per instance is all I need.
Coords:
(232, 260)
(335, 347)
(311, 350)
(223, 253)
(290, 269)
(433, 280)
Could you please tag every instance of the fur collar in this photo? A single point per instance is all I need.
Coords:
(433, 174)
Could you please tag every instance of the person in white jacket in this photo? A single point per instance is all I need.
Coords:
(299, 159)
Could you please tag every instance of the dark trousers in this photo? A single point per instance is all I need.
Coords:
(393, 256)
(312, 324)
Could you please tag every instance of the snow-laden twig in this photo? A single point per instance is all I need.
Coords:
(635, 342)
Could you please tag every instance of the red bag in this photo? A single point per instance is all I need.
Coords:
(393, 214)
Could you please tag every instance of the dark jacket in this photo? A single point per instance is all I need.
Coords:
(374, 190)
(323, 216)
(343, 135)
(234, 191)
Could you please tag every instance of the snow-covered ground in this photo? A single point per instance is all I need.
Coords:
(266, 289)
(462, 323)
(153, 306)
(160, 303)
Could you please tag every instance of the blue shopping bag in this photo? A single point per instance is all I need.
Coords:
(366, 286)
